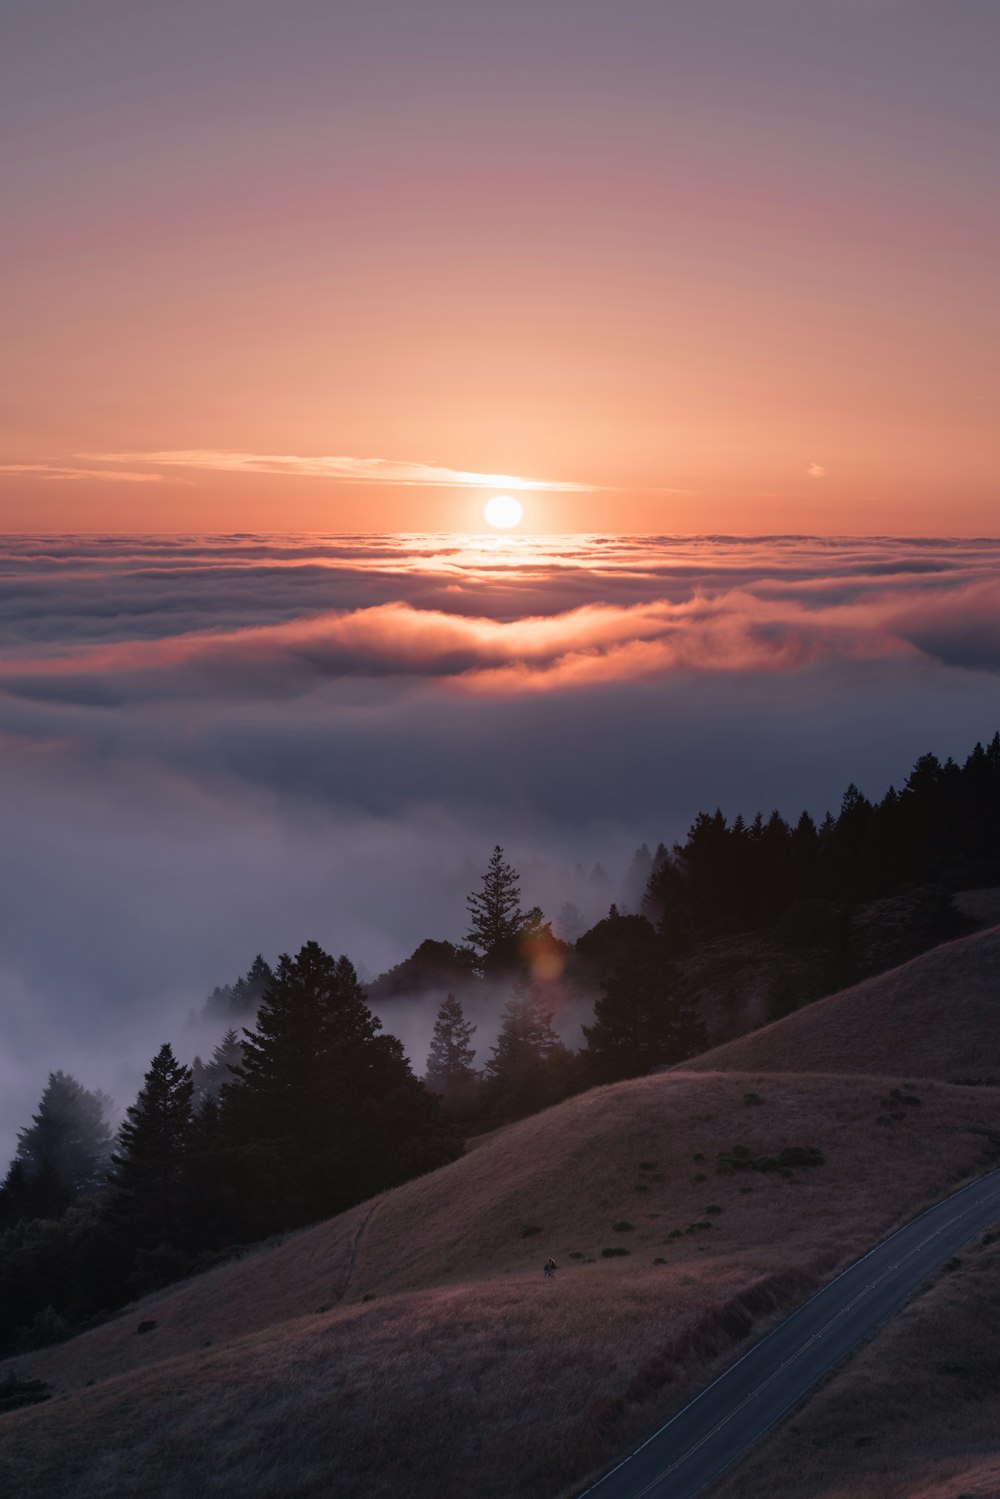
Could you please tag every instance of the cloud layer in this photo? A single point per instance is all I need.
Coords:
(217, 746)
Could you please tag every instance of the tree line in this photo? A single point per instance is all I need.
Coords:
(312, 1106)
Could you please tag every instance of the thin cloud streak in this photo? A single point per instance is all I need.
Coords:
(340, 469)
(63, 471)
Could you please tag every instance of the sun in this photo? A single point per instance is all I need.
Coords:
(504, 512)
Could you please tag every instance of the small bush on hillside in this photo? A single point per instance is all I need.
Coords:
(699, 1177)
(612, 1254)
(791, 1158)
(752, 1099)
(530, 1230)
(699, 1228)
(15, 1393)
(576, 1254)
(647, 1165)
(623, 1226)
(713, 1207)
(676, 1233)
(145, 1327)
(47, 1326)
(642, 1187)
(659, 1260)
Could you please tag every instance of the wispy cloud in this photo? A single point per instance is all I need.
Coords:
(340, 469)
(66, 471)
(816, 471)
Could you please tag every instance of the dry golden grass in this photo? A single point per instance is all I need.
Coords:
(914, 1415)
(468, 1370)
(935, 1016)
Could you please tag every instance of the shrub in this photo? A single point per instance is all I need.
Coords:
(623, 1226)
(145, 1327)
(647, 1165)
(612, 1254)
(752, 1099)
(659, 1260)
(641, 1187)
(699, 1177)
(530, 1230)
(14, 1392)
(676, 1233)
(713, 1207)
(576, 1254)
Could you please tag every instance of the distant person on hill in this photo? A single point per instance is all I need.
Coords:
(549, 1268)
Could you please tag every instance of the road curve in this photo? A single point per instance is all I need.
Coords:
(720, 1424)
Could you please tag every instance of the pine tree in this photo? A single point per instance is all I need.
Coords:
(336, 1100)
(528, 1066)
(66, 1149)
(153, 1148)
(497, 925)
(640, 1022)
(451, 1056)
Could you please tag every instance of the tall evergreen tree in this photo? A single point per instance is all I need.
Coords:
(151, 1161)
(528, 1066)
(336, 1098)
(65, 1151)
(640, 1020)
(497, 924)
(452, 1054)
(451, 1071)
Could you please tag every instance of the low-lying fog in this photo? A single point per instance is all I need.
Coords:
(218, 748)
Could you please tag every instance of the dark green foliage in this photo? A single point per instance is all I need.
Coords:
(150, 1176)
(615, 1253)
(450, 1072)
(641, 1020)
(577, 1254)
(530, 1230)
(623, 1226)
(209, 1078)
(434, 965)
(324, 1106)
(791, 1158)
(752, 1099)
(498, 928)
(15, 1392)
(147, 1326)
(63, 1154)
(529, 1067)
(239, 1001)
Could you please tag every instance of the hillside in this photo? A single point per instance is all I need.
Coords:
(914, 1413)
(277, 1375)
(936, 1016)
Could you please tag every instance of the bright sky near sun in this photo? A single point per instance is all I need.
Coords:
(647, 265)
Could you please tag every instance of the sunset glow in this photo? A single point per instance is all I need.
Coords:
(504, 512)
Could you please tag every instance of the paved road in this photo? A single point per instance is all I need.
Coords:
(708, 1435)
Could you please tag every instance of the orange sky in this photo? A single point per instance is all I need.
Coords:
(722, 277)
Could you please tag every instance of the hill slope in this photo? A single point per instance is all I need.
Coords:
(936, 1016)
(273, 1376)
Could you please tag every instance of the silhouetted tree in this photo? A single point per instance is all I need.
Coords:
(450, 1068)
(337, 1098)
(641, 1019)
(497, 924)
(151, 1161)
(529, 1067)
(62, 1154)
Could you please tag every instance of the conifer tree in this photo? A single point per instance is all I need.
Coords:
(65, 1151)
(335, 1098)
(528, 1066)
(640, 1021)
(451, 1056)
(150, 1164)
(497, 925)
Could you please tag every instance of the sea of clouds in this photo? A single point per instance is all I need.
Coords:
(214, 747)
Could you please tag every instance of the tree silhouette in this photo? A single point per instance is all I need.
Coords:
(640, 1019)
(450, 1070)
(497, 925)
(151, 1161)
(528, 1066)
(62, 1154)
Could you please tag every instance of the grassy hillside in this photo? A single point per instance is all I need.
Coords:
(912, 1416)
(936, 1016)
(276, 1376)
